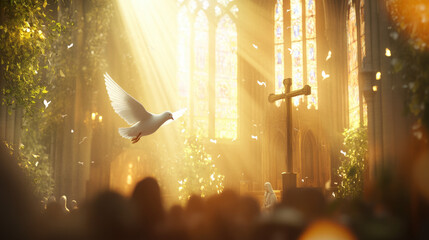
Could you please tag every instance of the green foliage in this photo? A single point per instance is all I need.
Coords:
(87, 39)
(97, 27)
(411, 64)
(352, 164)
(25, 37)
(40, 60)
(197, 172)
(410, 58)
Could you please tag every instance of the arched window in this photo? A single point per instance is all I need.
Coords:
(362, 29)
(303, 47)
(226, 79)
(363, 55)
(357, 105)
(279, 46)
(207, 65)
(308, 162)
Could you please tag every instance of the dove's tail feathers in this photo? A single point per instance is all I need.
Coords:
(130, 132)
(127, 132)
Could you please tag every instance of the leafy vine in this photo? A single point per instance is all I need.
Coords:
(352, 164)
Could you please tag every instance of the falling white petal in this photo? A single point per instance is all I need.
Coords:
(260, 83)
(46, 103)
(213, 141)
(70, 46)
(255, 46)
(83, 140)
(329, 55)
(325, 75)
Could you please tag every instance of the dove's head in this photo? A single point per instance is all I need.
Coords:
(168, 115)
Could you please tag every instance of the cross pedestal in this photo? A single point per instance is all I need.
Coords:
(289, 177)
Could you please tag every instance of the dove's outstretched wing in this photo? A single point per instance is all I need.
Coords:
(126, 106)
(176, 115)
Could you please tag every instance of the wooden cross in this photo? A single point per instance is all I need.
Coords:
(288, 177)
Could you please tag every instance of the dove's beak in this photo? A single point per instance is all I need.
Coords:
(172, 118)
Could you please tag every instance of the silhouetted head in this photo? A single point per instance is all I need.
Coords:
(51, 199)
(147, 198)
(111, 216)
(195, 204)
(73, 205)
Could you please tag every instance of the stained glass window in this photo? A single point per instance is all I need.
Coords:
(310, 15)
(196, 72)
(297, 48)
(183, 57)
(303, 48)
(226, 78)
(357, 105)
(363, 54)
(279, 46)
(201, 76)
(362, 29)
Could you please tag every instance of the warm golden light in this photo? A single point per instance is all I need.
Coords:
(325, 229)
(129, 179)
(374, 88)
(100, 118)
(161, 36)
(411, 19)
(388, 53)
(93, 116)
(378, 76)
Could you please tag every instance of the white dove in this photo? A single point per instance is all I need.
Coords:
(142, 122)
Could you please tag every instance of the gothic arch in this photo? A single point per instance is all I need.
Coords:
(309, 160)
(277, 163)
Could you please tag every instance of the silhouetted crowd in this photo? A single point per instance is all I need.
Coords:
(302, 214)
